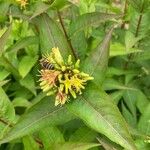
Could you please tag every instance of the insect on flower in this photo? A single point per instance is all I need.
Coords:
(64, 79)
(46, 64)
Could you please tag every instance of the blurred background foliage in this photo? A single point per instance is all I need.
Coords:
(28, 119)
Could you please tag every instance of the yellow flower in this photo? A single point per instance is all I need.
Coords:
(68, 85)
(64, 78)
(48, 81)
(61, 97)
(57, 56)
(49, 76)
(22, 3)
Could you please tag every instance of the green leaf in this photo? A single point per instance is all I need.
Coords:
(7, 112)
(116, 96)
(139, 23)
(4, 61)
(40, 7)
(4, 74)
(29, 143)
(130, 40)
(142, 144)
(26, 64)
(117, 49)
(4, 7)
(89, 19)
(79, 44)
(3, 82)
(140, 5)
(131, 120)
(112, 84)
(29, 83)
(97, 110)
(59, 4)
(6, 108)
(51, 36)
(144, 122)
(144, 55)
(96, 64)
(130, 101)
(4, 38)
(108, 145)
(21, 102)
(50, 136)
(39, 116)
(22, 43)
(136, 4)
(142, 101)
(83, 134)
(73, 146)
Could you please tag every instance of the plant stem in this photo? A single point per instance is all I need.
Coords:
(39, 142)
(125, 11)
(139, 22)
(136, 34)
(6, 123)
(68, 40)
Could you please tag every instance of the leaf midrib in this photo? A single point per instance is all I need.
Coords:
(105, 44)
(49, 31)
(38, 120)
(104, 120)
(96, 22)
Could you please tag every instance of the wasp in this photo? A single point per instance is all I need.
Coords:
(46, 64)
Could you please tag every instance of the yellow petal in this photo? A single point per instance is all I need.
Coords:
(57, 102)
(76, 71)
(69, 60)
(43, 83)
(77, 64)
(50, 93)
(57, 56)
(72, 93)
(47, 88)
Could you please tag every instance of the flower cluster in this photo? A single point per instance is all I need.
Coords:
(22, 3)
(61, 78)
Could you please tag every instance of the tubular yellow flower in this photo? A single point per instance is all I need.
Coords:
(22, 3)
(49, 76)
(61, 97)
(62, 78)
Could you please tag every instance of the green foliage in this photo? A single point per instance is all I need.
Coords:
(111, 39)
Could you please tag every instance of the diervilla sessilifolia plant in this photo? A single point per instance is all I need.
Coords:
(64, 79)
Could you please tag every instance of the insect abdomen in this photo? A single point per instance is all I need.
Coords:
(47, 65)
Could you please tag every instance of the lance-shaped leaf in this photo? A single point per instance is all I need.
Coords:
(51, 36)
(88, 20)
(51, 135)
(38, 116)
(73, 146)
(22, 43)
(97, 110)
(26, 64)
(4, 38)
(96, 64)
(30, 143)
(7, 112)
